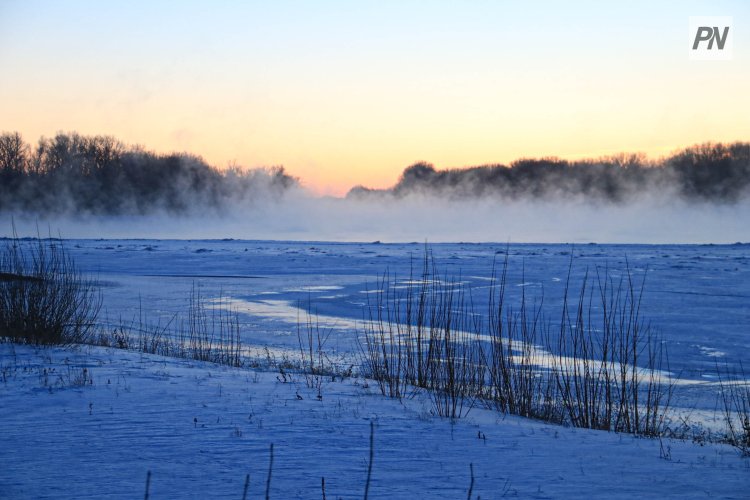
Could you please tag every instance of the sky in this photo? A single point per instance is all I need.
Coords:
(346, 93)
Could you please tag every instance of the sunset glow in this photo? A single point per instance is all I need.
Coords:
(344, 94)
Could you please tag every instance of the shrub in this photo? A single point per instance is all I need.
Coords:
(608, 363)
(735, 395)
(599, 367)
(519, 382)
(421, 337)
(44, 298)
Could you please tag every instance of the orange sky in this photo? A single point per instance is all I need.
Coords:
(344, 95)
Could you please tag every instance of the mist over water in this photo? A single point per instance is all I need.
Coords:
(300, 216)
(96, 187)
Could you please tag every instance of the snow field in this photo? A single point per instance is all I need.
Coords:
(200, 428)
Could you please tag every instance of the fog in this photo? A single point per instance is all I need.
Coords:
(96, 187)
(706, 172)
(300, 216)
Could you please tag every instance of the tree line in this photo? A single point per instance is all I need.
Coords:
(75, 173)
(709, 172)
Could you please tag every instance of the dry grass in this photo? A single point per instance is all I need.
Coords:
(735, 399)
(599, 367)
(44, 298)
(206, 333)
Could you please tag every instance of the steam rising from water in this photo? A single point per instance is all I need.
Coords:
(97, 187)
(299, 216)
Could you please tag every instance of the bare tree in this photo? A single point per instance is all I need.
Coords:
(14, 154)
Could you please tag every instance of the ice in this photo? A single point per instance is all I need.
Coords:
(67, 440)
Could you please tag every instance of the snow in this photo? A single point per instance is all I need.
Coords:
(200, 428)
(696, 296)
(65, 438)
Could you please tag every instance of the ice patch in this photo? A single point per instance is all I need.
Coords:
(711, 352)
(315, 288)
(286, 311)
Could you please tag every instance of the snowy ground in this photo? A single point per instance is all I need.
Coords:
(697, 297)
(200, 428)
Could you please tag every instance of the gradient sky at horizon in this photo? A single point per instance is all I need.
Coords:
(344, 93)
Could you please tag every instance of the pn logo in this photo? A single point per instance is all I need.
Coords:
(710, 38)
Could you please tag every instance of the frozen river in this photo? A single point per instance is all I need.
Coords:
(696, 296)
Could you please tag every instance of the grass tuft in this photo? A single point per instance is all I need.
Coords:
(44, 298)
(599, 367)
